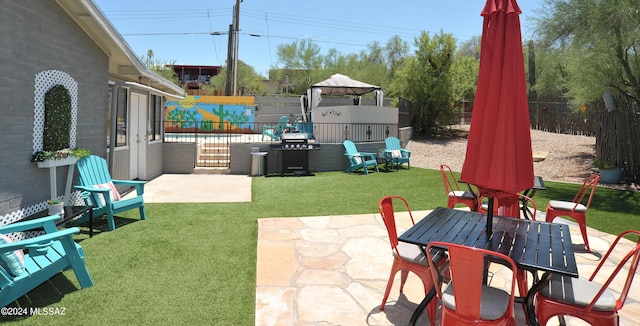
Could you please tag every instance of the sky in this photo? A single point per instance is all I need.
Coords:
(195, 32)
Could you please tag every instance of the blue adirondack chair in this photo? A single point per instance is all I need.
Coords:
(275, 132)
(395, 153)
(295, 127)
(359, 160)
(101, 193)
(44, 256)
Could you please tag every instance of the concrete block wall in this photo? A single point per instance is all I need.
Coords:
(330, 157)
(36, 36)
(405, 135)
(240, 157)
(179, 158)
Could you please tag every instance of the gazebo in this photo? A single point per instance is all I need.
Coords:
(339, 84)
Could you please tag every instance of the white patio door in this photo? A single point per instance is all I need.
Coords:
(138, 137)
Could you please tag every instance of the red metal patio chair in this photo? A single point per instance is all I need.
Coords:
(452, 189)
(575, 209)
(589, 300)
(521, 274)
(467, 299)
(406, 257)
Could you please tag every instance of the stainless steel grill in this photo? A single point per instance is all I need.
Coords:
(294, 154)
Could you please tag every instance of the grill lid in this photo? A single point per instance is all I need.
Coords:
(294, 136)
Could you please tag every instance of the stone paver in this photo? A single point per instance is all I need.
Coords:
(332, 270)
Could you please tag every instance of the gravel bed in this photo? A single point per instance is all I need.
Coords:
(568, 157)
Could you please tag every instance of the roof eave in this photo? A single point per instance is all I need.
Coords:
(122, 60)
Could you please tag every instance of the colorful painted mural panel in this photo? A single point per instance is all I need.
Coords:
(210, 114)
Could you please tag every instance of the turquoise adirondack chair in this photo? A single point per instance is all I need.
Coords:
(394, 152)
(295, 127)
(36, 260)
(275, 132)
(101, 191)
(359, 160)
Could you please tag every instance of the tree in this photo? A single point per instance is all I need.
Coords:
(248, 80)
(592, 47)
(163, 68)
(597, 44)
(301, 55)
(550, 73)
(471, 47)
(372, 66)
(464, 78)
(397, 52)
(426, 82)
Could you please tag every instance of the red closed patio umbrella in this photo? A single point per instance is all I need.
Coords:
(499, 159)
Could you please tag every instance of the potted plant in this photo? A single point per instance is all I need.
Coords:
(65, 156)
(56, 207)
(42, 156)
(609, 172)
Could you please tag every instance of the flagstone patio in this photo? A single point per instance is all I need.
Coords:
(332, 270)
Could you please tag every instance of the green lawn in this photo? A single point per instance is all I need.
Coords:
(195, 263)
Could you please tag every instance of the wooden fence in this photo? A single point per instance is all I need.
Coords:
(557, 116)
(617, 137)
(615, 129)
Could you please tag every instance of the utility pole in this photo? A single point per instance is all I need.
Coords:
(236, 40)
(227, 85)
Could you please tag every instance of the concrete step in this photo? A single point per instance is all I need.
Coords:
(211, 170)
(215, 145)
(213, 163)
(214, 156)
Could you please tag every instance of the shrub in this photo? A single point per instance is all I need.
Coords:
(57, 119)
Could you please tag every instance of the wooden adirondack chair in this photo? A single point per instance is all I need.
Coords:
(102, 193)
(394, 152)
(47, 255)
(359, 160)
(275, 132)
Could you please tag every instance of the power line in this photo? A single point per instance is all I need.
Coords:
(215, 49)
(175, 33)
(266, 20)
(322, 28)
(286, 37)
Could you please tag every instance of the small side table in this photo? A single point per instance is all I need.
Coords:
(70, 212)
(389, 162)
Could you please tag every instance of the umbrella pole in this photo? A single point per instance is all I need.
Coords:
(490, 217)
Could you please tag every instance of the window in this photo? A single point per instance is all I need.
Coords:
(121, 118)
(155, 118)
(121, 126)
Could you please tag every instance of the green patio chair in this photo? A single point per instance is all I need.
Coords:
(275, 132)
(395, 153)
(359, 160)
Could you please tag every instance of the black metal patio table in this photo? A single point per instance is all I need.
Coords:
(533, 245)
